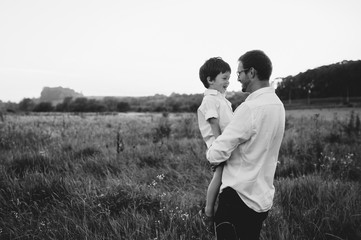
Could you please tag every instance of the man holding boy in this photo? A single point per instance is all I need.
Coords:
(249, 148)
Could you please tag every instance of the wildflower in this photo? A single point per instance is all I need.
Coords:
(162, 209)
(160, 177)
(184, 216)
(42, 226)
(43, 153)
(154, 183)
(16, 215)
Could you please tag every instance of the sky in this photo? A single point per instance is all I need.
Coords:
(148, 47)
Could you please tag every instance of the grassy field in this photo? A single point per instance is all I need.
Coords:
(329, 114)
(144, 176)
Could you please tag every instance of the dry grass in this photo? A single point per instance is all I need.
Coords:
(65, 177)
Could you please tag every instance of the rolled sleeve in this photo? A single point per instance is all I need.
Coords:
(210, 108)
(211, 113)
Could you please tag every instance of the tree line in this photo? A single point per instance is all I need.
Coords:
(157, 103)
(339, 80)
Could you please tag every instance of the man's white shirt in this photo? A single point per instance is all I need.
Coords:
(250, 146)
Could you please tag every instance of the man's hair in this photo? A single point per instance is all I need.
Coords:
(258, 60)
(211, 68)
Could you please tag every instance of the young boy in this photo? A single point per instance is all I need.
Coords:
(214, 114)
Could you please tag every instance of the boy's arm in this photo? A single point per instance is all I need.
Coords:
(216, 130)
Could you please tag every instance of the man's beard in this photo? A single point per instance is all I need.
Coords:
(244, 87)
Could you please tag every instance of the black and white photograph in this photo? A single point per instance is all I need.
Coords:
(180, 120)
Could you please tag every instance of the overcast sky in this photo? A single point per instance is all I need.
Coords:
(147, 47)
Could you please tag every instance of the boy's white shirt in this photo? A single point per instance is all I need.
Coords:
(214, 105)
(249, 147)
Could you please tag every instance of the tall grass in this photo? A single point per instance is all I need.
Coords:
(144, 176)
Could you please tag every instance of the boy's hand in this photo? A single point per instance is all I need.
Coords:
(214, 166)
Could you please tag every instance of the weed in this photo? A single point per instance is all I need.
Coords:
(162, 130)
(124, 197)
(99, 168)
(86, 152)
(29, 163)
(302, 205)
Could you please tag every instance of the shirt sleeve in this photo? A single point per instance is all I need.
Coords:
(209, 108)
(238, 131)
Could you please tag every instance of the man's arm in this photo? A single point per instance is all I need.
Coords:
(237, 132)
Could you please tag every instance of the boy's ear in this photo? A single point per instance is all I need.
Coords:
(209, 80)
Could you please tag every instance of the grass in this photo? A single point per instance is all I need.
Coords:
(144, 176)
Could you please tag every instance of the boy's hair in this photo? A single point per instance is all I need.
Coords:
(211, 68)
(258, 60)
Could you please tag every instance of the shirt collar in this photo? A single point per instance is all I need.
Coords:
(259, 92)
(213, 92)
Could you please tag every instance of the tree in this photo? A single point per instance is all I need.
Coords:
(95, 106)
(78, 105)
(123, 106)
(43, 107)
(64, 106)
(26, 105)
(111, 103)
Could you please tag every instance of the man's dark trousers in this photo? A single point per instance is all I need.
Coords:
(235, 220)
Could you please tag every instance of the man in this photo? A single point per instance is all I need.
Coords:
(249, 146)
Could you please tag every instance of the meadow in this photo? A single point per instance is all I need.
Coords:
(144, 176)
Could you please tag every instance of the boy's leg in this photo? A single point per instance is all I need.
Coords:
(235, 220)
(207, 213)
(213, 191)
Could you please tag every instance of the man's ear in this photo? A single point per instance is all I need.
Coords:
(253, 72)
(209, 80)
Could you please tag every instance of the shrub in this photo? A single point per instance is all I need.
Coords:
(128, 197)
(99, 168)
(29, 163)
(86, 152)
(347, 167)
(162, 129)
(186, 127)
